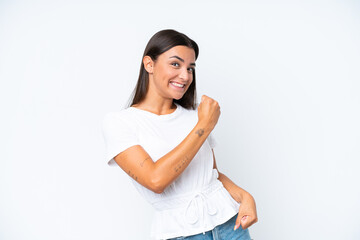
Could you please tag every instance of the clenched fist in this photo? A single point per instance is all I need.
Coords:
(208, 112)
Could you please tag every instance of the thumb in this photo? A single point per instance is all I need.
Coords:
(202, 98)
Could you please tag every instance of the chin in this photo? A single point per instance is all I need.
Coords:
(178, 98)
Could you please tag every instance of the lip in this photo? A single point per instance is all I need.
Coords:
(176, 87)
(178, 82)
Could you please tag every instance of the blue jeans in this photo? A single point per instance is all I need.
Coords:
(224, 231)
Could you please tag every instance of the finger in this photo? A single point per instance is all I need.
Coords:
(238, 222)
(248, 222)
(202, 98)
(244, 222)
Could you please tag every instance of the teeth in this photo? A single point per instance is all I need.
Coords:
(178, 85)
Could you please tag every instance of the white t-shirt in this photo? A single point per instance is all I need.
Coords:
(196, 201)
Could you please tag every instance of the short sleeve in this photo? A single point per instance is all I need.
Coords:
(211, 140)
(119, 134)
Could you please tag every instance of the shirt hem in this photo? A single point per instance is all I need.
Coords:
(165, 236)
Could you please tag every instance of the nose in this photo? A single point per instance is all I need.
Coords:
(185, 75)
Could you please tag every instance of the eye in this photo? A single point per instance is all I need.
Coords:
(175, 64)
(191, 70)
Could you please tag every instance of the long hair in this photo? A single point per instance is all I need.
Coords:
(158, 44)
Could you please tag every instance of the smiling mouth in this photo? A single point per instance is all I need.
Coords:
(177, 84)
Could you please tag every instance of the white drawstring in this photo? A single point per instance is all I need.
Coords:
(202, 197)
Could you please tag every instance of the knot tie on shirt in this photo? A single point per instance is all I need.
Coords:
(203, 206)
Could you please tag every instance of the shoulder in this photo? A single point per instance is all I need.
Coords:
(120, 114)
(115, 117)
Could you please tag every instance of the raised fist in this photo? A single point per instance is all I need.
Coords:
(208, 112)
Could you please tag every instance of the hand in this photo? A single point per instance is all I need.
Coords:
(247, 215)
(208, 111)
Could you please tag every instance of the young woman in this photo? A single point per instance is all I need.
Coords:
(163, 142)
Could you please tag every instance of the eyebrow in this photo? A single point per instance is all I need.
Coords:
(182, 60)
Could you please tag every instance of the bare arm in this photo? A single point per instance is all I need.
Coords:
(236, 192)
(247, 211)
(156, 176)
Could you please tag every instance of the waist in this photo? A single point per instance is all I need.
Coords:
(192, 212)
(182, 200)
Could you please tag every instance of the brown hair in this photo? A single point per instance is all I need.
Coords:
(158, 44)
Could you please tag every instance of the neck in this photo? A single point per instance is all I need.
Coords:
(156, 104)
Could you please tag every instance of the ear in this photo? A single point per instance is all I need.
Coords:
(148, 64)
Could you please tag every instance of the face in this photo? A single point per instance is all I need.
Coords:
(172, 73)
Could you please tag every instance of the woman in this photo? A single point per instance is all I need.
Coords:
(164, 143)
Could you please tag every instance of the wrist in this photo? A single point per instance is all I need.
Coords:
(240, 195)
(245, 196)
(203, 127)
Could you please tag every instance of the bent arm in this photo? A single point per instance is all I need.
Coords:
(156, 176)
(236, 192)
(247, 212)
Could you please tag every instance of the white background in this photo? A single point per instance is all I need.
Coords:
(285, 73)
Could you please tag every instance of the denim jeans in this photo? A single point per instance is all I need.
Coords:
(224, 231)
